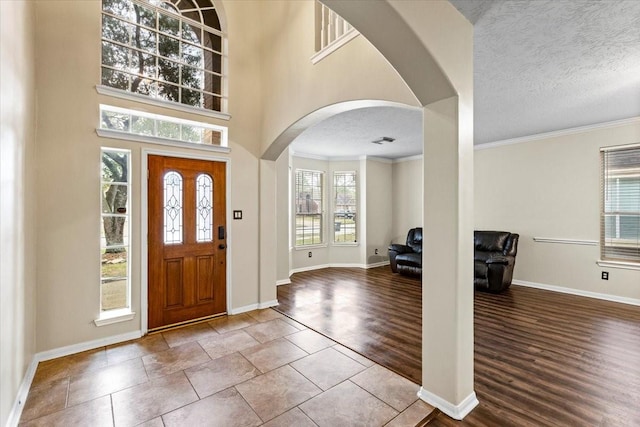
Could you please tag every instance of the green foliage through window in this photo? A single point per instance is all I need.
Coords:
(309, 187)
(344, 207)
(115, 229)
(154, 125)
(165, 51)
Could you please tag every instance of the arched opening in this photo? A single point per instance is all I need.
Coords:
(430, 46)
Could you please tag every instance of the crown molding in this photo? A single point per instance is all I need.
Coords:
(557, 133)
(408, 159)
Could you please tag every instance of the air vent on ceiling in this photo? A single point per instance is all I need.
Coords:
(383, 140)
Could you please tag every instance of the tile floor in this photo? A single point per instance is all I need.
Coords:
(253, 369)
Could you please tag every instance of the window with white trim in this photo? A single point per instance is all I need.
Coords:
(620, 215)
(345, 198)
(309, 203)
(167, 50)
(115, 225)
(121, 121)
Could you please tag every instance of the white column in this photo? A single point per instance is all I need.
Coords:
(268, 234)
(447, 269)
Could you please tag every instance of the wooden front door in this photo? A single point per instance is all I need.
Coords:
(187, 240)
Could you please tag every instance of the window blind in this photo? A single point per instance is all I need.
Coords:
(620, 212)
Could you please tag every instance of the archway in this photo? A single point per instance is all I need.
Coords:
(430, 45)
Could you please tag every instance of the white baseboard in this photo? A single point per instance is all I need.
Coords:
(268, 304)
(283, 282)
(23, 391)
(578, 292)
(377, 264)
(457, 412)
(338, 265)
(21, 397)
(251, 307)
(243, 309)
(88, 345)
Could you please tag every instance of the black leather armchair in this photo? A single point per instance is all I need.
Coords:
(407, 259)
(494, 259)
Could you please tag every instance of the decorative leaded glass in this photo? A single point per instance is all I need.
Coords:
(172, 208)
(204, 211)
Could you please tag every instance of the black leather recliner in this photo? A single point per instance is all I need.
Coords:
(407, 259)
(494, 259)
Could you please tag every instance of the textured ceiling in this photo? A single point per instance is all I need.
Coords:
(539, 66)
(547, 65)
(350, 134)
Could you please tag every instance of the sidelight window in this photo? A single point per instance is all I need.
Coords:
(115, 272)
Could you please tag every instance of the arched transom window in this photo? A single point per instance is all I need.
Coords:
(167, 50)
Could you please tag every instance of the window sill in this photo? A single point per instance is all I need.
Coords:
(122, 94)
(349, 245)
(619, 264)
(304, 248)
(114, 316)
(114, 134)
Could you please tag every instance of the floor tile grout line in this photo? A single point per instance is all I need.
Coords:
(113, 412)
(284, 337)
(376, 397)
(245, 400)
(328, 337)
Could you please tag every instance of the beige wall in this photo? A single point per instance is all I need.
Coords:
(272, 83)
(374, 215)
(407, 197)
(379, 212)
(68, 179)
(293, 87)
(17, 193)
(551, 188)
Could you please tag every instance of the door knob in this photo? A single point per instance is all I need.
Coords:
(221, 246)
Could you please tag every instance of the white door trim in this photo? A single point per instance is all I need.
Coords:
(144, 224)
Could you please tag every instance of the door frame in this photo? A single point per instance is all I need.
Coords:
(144, 224)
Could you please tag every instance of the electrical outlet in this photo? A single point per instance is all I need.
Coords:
(310, 254)
(376, 251)
(605, 275)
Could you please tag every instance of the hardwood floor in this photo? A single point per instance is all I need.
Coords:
(541, 358)
(371, 311)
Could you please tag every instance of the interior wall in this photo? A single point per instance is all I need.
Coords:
(68, 47)
(269, 66)
(551, 188)
(17, 192)
(379, 210)
(294, 87)
(407, 197)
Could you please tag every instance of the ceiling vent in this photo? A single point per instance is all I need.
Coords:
(383, 140)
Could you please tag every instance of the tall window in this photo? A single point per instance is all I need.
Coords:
(309, 207)
(115, 230)
(168, 50)
(344, 207)
(620, 227)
